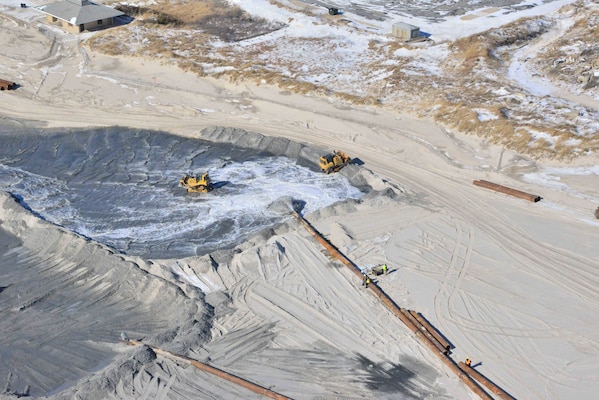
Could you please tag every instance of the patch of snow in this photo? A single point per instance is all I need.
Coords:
(537, 135)
(551, 177)
(485, 115)
(501, 92)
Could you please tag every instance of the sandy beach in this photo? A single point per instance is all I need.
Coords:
(511, 284)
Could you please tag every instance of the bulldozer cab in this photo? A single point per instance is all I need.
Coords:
(327, 158)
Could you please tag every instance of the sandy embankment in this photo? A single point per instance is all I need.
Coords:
(510, 283)
(65, 300)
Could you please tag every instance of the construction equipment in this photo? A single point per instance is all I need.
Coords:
(378, 270)
(334, 161)
(197, 183)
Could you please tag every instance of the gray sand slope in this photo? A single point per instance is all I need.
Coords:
(64, 301)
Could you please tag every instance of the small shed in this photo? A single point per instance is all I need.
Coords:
(79, 15)
(405, 31)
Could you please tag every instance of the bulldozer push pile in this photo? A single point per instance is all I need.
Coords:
(334, 161)
(197, 183)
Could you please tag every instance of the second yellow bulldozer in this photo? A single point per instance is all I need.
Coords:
(334, 161)
(197, 183)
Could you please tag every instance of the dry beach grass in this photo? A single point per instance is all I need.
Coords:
(472, 73)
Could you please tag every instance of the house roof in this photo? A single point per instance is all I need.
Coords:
(79, 11)
(405, 25)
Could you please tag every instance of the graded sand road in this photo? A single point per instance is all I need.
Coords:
(510, 283)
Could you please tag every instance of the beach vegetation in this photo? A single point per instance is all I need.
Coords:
(449, 82)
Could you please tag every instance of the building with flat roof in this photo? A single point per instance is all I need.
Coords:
(405, 31)
(79, 15)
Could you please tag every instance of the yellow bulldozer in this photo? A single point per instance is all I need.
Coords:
(334, 161)
(197, 183)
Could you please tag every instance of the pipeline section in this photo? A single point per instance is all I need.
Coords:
(408, 319)
(502, 394)
(507, 190)
(7, 85)
(433, 331)
(215, 371)
(328, 245)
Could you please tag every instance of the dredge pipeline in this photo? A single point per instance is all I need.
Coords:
(7, 85)
(215, 371)
(328, 245)
(506, 190)
(502, 394)
(421, 332)
(427, 325)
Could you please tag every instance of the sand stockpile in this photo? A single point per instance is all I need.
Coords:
(65, 301)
